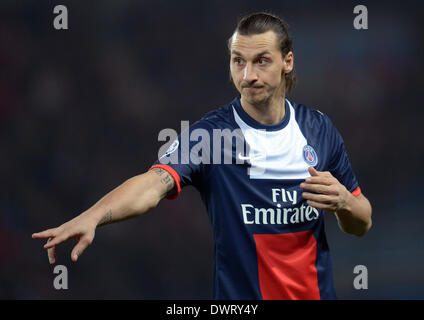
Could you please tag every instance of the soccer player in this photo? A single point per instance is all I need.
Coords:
(266, 205)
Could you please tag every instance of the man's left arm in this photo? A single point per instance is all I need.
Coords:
(353, 213)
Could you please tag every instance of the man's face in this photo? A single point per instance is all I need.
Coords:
(257, 67)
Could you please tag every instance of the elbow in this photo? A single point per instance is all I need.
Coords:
(365, 225)
(144, 203)
(153, 202)
(361, 229)
(368, 223)
(148, 202)
(358, 222)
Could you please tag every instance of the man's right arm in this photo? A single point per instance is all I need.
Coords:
(134, 197)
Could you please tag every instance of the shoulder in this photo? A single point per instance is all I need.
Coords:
(307, 114)
(311, 118)
(217, 118)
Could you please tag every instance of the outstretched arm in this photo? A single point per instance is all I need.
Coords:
(134, 197)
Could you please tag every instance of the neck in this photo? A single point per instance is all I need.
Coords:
(267, 112)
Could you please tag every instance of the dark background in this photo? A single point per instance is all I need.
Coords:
(81, 109)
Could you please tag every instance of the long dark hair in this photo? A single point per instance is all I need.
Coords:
(261, 22)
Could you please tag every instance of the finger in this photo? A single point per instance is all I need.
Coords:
(325, 199)
(319, 180)
(57, 240)
(313, 172)
(44, 234)
(79, 248)
(51, 254)
(317, 188)
(319, 205)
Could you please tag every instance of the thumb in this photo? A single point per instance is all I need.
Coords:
(313, 172)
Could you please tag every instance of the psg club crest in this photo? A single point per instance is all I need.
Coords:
(172, 148)
(310, 156)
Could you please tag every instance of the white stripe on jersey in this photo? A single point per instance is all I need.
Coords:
(276, 154)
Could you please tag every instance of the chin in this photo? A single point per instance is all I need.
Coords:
(256, 99)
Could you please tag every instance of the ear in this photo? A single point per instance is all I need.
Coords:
(288, 62)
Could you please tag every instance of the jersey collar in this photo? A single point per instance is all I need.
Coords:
(257, 125)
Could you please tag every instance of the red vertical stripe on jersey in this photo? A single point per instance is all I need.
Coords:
(286, 266)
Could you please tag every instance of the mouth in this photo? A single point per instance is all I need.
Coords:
(253, 89)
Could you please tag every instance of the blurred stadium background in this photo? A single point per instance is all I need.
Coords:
(80, 112)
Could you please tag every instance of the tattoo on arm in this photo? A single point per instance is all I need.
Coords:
(107, 218)
(167, 180)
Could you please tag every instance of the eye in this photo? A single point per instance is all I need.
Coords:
(238, 61)
(262, 61)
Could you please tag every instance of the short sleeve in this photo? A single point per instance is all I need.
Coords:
(339, 164)
(188, 157)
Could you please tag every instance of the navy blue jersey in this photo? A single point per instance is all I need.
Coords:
(269, 243)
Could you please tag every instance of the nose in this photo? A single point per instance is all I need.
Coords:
(250, 73)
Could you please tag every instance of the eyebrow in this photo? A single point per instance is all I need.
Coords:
(255, 57)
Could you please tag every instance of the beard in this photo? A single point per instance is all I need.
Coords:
(257, 96)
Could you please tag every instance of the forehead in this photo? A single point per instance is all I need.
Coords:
(252, 44)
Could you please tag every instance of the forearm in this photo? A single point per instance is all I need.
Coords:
(132, 198)
(355, 218)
